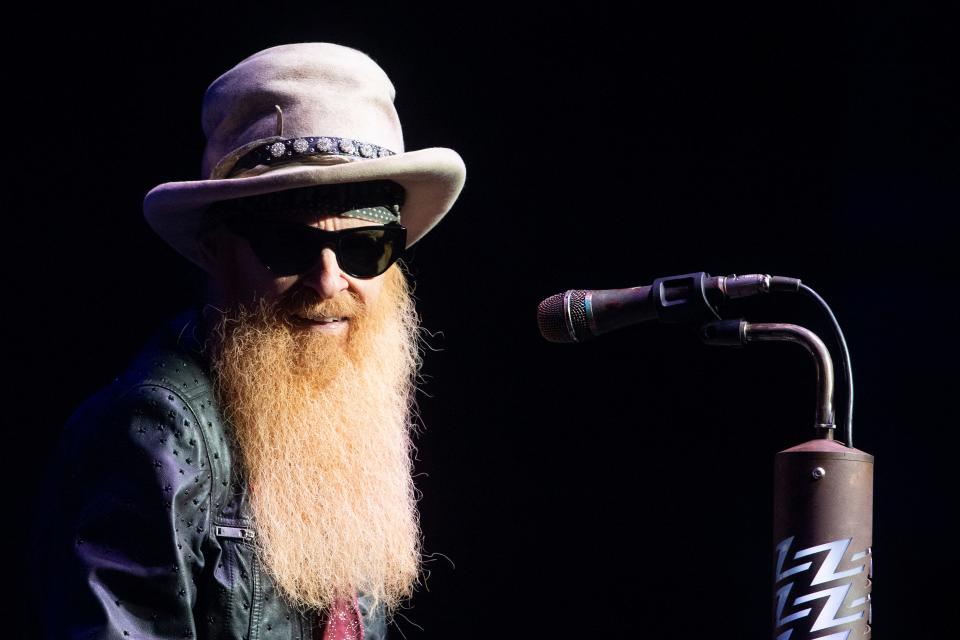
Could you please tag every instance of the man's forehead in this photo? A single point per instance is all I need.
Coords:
(325, 221)
(377, 202)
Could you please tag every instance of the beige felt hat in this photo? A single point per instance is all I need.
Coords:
(299, 115)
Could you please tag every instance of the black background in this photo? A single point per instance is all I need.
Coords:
(616, 489)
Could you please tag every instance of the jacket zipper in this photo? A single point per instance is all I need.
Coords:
(244, 533)
(237, 533)
(257, 601)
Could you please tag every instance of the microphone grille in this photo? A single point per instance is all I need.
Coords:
(553, 327)
(551, 317)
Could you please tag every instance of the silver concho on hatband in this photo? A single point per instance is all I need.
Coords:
(295, 148)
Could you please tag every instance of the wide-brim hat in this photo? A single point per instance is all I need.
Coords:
(301, 115)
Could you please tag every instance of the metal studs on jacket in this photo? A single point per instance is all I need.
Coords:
(147, 530)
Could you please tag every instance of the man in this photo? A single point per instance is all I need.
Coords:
(249, 476)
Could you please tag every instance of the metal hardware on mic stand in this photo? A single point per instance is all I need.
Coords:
(823, 489)
(823, 510)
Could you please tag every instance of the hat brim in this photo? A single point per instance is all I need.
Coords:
(432, 179)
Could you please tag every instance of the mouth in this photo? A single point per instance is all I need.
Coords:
(321, 323)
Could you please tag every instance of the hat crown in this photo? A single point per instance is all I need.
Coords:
(323, 89)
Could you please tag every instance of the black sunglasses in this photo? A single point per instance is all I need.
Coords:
(288, 248)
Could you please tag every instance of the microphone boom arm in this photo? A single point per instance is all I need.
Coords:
(740, 332)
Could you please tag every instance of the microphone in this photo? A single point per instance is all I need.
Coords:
(577, 315)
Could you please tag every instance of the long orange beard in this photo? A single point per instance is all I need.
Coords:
(322, 425)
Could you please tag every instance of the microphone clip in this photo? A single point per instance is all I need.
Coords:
(683, 298)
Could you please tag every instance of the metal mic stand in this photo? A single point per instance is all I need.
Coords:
(823, 510)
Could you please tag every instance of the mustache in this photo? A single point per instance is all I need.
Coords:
(307, 303)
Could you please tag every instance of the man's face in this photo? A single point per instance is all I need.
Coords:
(241, 278)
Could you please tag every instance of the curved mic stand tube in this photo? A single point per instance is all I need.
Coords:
(781, 332)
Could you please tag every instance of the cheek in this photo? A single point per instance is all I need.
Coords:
(245, 279)
(369, 290)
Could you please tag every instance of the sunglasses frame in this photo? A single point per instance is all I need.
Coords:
(256, 232)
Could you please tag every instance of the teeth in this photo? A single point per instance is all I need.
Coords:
(323, 319)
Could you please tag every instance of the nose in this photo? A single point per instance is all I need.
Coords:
(325, 277)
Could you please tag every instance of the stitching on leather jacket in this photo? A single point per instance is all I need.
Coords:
(127, 483)
(201, 428)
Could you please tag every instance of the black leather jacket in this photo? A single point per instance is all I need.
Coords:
(145, 528)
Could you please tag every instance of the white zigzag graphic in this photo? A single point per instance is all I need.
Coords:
(827, 572)
(828, 615)
(839, 635)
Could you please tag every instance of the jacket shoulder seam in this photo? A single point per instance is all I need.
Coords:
(203, 434)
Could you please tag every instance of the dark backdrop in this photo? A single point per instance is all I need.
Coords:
(616, 489)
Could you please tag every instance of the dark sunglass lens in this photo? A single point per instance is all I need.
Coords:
(284, 250)
(367, 253)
